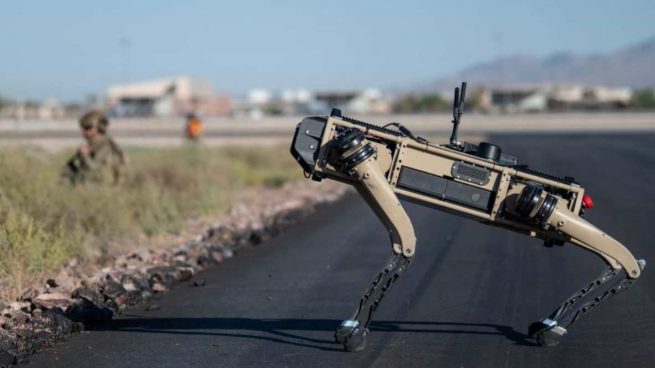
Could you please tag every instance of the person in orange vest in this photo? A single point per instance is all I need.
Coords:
(193, 127)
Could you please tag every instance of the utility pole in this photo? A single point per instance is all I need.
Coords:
(126, 45)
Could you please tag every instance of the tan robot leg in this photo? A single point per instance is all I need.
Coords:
(621, 271)
(357, 158)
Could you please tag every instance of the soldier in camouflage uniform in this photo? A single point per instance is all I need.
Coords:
(99, 159)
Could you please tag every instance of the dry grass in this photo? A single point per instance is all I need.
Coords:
(44, 221)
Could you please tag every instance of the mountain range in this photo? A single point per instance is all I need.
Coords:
(632, 66)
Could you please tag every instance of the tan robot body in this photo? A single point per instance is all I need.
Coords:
(477, 182)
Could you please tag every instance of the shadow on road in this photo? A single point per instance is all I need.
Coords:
(290, 331)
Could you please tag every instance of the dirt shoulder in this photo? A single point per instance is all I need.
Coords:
(82, 295)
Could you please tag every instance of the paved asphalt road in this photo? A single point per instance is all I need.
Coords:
(465, 302)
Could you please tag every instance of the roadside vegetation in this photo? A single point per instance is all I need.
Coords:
(45, 221)
(434, 103)
(643, 99)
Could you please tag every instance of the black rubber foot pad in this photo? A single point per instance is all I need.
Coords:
(342, 333)
(541, 333)
(355, 341)
(548, 338)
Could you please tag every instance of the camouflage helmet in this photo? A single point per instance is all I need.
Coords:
(94, 119)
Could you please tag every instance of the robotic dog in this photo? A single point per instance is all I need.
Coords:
(475, 181)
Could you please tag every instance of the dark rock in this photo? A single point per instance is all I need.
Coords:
(162, 274)
(113, 289)
(152, 307)
(213, 230)
(30, 294)
(199, 282)
(224, 235)
(87, 312)
(199, 261)
(120, 300)
(112, 305)
(4, 323)
(23, 333)
(30, 339)
(135, 282)
(140, 257)
(183, 274)
(20, 317)
(181, 255)
(203, 261)
(179, 263)
(255, 237)
(58, 324)
(129, 299)
(89, 294)
(260, 236)
(7, 358)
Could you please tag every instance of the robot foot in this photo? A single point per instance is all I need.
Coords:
(550, 330)
(352, 332)
(546, 332)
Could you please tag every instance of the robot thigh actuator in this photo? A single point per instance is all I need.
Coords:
(475, 181)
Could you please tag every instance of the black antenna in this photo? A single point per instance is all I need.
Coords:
(458, 110)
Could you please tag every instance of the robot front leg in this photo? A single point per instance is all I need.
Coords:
(622, 270)
(356, 157)
(352, 332)
(548, 331)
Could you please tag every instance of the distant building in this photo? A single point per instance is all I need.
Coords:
(568, 94)
(577, 97)
(297, 96)
(335, 98)
(301, 101)
(259, 97)
(21, 110)
(167, 97)
(514, 99)
(367, 101)
(554, 98)
(50, 109)
(370, 101)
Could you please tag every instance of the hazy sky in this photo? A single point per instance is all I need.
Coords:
(69, 48)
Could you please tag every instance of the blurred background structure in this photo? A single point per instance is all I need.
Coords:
(293, 58)
(166, 97)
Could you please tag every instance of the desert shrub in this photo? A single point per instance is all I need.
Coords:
(45, 221)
